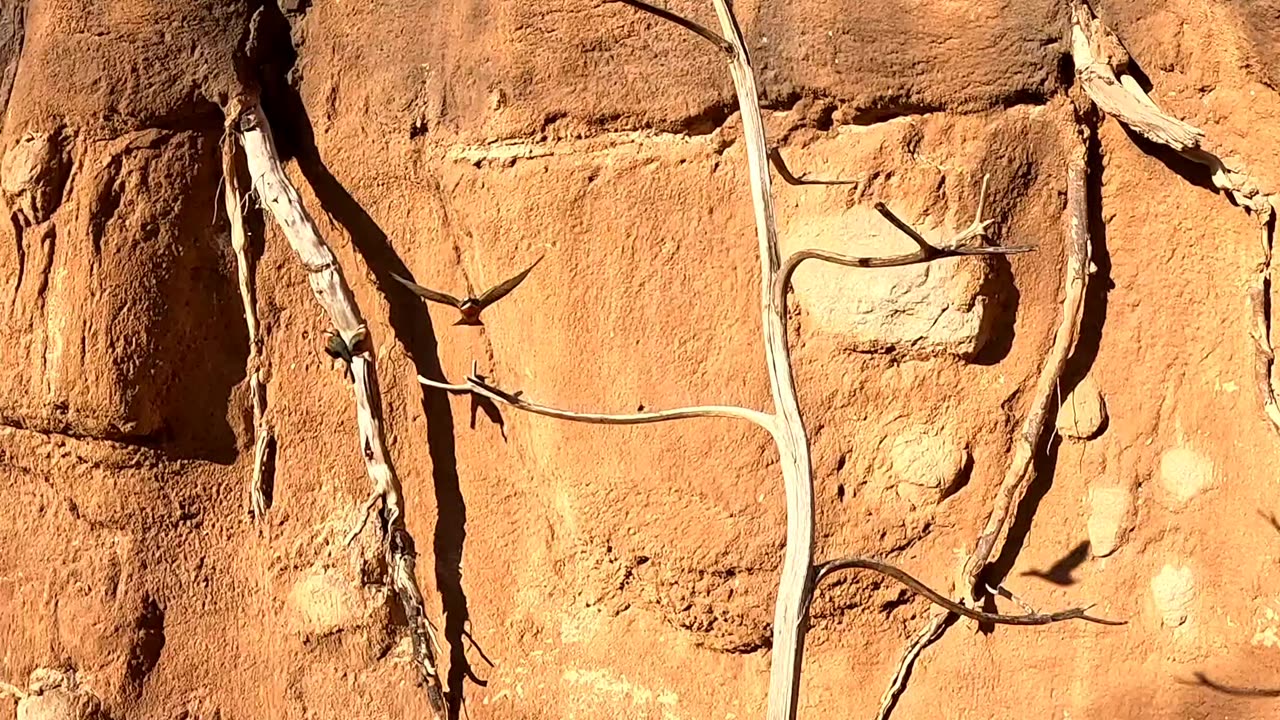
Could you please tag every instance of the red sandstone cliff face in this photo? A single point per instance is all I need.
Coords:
(624, 572)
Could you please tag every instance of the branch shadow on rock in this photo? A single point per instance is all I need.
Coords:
(998, 321)
(412, 326)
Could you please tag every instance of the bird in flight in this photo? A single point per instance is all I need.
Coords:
(470, 307)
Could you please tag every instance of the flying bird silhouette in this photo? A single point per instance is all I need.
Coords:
(470, 307)
(1060, 572)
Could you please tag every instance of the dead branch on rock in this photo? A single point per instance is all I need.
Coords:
(890, 570)
(1096, 52)
(1019, 473)
(476, 383)
(700, 30)
(278, 195)
(927, 252)
(790, 178)
(1101, 62)
(264, 437)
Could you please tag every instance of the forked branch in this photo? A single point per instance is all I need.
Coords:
(958, 246)
(255, 366)
(893, 571)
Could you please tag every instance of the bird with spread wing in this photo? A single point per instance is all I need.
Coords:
(472, 306)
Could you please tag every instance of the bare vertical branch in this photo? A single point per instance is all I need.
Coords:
(1077, 274)
(277, 193)
(264, 439)
(795, 585)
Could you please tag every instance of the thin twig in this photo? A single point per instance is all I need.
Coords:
(927, 252)
(890, 570)
(255, 366)
(1236, 690)
(331, 290)
(790, 178)
(700, 30)
(476, 384)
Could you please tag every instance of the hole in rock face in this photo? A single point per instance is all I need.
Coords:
(148, 642)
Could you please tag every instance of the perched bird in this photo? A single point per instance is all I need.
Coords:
(338, 349)
(471, 306)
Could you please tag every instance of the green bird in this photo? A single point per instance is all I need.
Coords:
(470, 307)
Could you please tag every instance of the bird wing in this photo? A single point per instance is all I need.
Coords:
(428, 293)
(497, 292)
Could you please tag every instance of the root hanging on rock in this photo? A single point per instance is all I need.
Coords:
(1099, 58)
(277, 193)
(256, 366)
(1260, 308)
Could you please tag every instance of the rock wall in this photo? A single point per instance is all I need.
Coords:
(584, 571)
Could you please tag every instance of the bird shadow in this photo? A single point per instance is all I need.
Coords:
(1060, 572)
(412, 326)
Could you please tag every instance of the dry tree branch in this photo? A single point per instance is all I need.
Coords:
(1095, 50)
(1019, 472)
(1099, 57)
(1077, 274)
(700, 30)
(277, 193)
(476, 384)
(888, 569)
(790, 619)
(927, 252)
(790, 178)
(264, 435)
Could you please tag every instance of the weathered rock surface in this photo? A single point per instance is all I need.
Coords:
(619, 572)
(1083, 410)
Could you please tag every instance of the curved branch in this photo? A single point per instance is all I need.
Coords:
(919, 256)
(475, 384)
(790, 178)
(957, 247)
(699, 30)
(884, 568)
